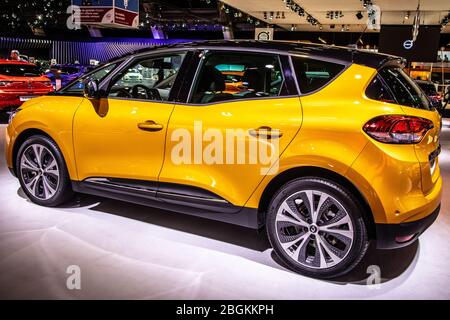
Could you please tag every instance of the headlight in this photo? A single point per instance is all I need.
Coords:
(12, 114)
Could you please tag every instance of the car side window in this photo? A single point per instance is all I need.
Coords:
(376, 90)
(314, 74)
(405, 90)
(236, 75)
(99, 75)
(148, 79)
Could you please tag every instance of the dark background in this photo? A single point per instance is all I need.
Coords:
(424, 49)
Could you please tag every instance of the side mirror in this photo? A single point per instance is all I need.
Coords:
(91, 89)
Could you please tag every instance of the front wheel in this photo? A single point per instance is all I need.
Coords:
(315, 226)
(42, 172)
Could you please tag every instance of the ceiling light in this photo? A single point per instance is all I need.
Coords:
(407, 15)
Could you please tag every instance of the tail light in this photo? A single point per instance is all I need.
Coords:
(398, 129)
(4, 83)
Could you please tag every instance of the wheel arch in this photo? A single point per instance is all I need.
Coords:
(21, 138)
(318, 172)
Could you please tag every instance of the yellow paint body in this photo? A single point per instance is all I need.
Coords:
(322, 129)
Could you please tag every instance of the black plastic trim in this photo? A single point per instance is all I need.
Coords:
(224, 212)
(386, 233)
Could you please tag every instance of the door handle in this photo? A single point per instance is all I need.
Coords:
(150, 125)
(266, 132)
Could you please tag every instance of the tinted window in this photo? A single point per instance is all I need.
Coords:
(378, 91)
(314, 74)
(150, 79)
(405, 91)
(19, 70)
(235, 75)
(428, 88)
(99, 74)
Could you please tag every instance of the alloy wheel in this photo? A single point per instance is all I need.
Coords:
(314, 229)
(40, 172)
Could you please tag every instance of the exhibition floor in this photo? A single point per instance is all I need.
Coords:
(127, 251)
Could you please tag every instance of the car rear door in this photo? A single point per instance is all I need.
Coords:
(217, 138)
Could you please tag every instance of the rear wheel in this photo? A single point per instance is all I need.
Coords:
(42, 172)
(315, 226)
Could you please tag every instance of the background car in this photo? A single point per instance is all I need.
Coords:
(21, 81)
(133, 75)
(66, 72)
(429, 89)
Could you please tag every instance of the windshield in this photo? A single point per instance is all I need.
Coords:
(19, 70)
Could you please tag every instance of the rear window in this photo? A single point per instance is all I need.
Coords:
(397, 86)
(19, 70)
(314, 74)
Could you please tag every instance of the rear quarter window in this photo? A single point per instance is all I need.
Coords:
(313, 75)
(395, 86)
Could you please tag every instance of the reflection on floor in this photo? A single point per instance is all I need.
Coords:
(135, 252)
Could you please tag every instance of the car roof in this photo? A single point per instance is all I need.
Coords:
(344, 55)
(5, 61)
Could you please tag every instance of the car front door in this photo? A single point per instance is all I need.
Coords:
(120, 137)
(219, 144)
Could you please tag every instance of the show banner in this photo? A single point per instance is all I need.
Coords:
(109, 13)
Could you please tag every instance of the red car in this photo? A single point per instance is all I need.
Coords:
(21, 81)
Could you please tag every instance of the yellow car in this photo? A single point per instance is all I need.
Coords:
(351, 145)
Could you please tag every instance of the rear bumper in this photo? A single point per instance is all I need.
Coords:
(12, 99)
(388, 234)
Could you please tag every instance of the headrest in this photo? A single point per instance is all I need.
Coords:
(255, 80)
(211, 80)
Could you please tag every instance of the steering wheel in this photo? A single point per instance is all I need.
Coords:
(124, 93)
(152, 94)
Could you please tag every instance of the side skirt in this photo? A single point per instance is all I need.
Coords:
(148, 195)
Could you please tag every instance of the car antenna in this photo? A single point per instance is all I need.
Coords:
(355, 45)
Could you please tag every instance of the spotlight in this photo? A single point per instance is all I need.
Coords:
(407, 15)
(359, 15)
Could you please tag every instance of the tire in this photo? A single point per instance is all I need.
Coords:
(326, 242)
(44, 179)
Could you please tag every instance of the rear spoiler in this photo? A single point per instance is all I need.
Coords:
(377, 60)
(393, 61)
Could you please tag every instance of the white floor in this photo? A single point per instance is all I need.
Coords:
(133, 252)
